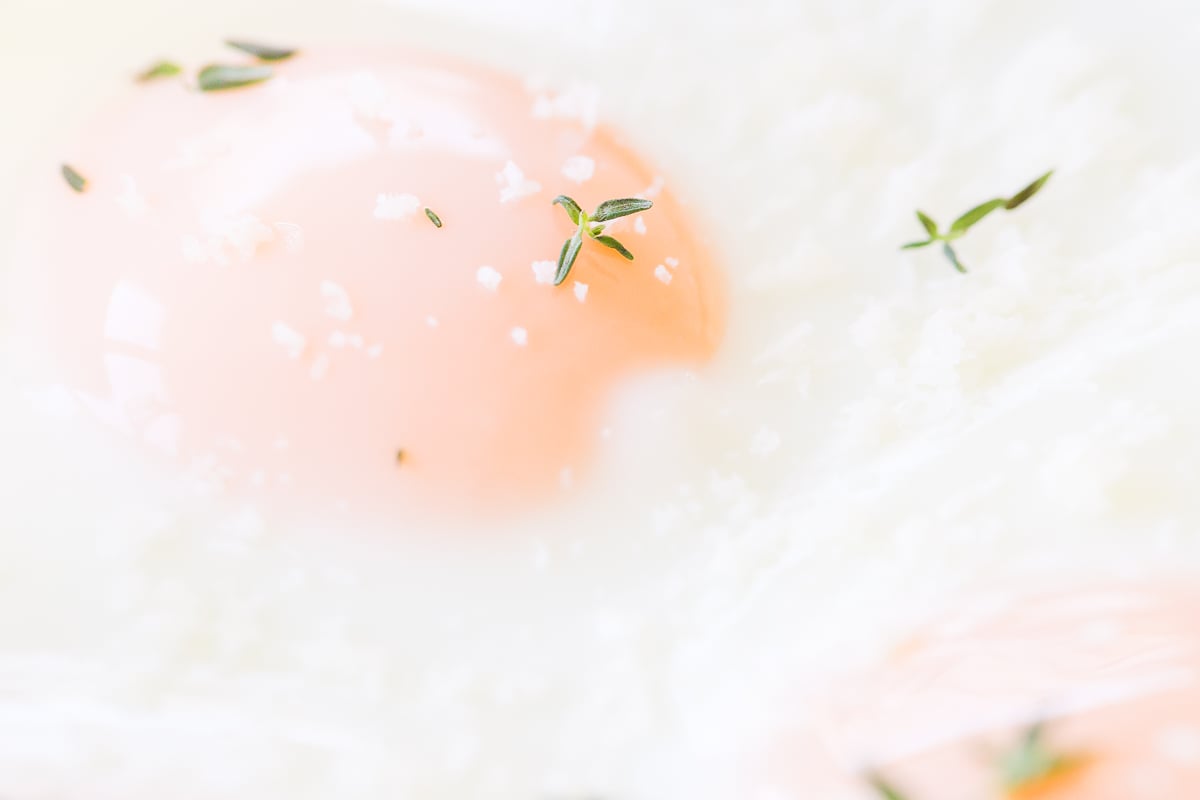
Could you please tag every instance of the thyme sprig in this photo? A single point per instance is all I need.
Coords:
(73, 178)
(263, 52)
(1033, 761)
(217, 77)
(886, 790)
(592, 226)
(160, 69)
(960, 226)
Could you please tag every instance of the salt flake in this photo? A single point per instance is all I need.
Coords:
(579, 168)
(513, 183)
(543, 271)
(289, 338)
(396, 206)
(336, 301)
(488, 278)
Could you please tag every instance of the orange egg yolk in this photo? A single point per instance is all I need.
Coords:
(1114, 677)
(250, 285)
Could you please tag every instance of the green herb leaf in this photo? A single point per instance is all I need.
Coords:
(1033, 761)
(262, 52)
(964, 223)
(615, 209)
(434, 218)
(572, 208)
(217, 77)
(930, 225)
(960, 226)
(610, 242)
(74, 179)
(885, 789)
(953, 256)
(566, 259)
(1028, 192)
(162, 69)
(595, 231)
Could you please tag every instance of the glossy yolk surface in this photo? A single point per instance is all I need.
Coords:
(250, 286)
(1115, 674)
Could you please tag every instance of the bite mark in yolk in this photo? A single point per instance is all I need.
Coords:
(252, 288)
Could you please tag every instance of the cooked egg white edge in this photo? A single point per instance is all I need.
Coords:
(878, 435)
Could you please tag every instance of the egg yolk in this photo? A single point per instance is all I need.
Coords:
(1113, 677)
(251, 287)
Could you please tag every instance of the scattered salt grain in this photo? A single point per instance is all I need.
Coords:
(663, 274)
(579, 168)
(581, 291)
(488, 278)
(765, 442)
(292, 234)
(193, 250)
(543, 271)
(520, 336)
(319, 368)
(292, 341)
(513, 183)
(336, 301)
(375, 351)
(671, 262)
(577, 102)
(639, 226)
(134, 316)
(432, 321)
(130, 200)
(396, 206)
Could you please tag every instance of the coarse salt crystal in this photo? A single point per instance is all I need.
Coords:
(543, 271)
(513, 183)
(130, 200)
(293, 236)
(337, 301)
(579, 168)
(671, 262)
(319, 367)
(193, 250)
(134, 316)
(663, 274)
(639, 226)
(488, 278)
(396, 206)
(291, 339)
(375, 351)
(765, 442)
(520, 336)
(581, 290)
